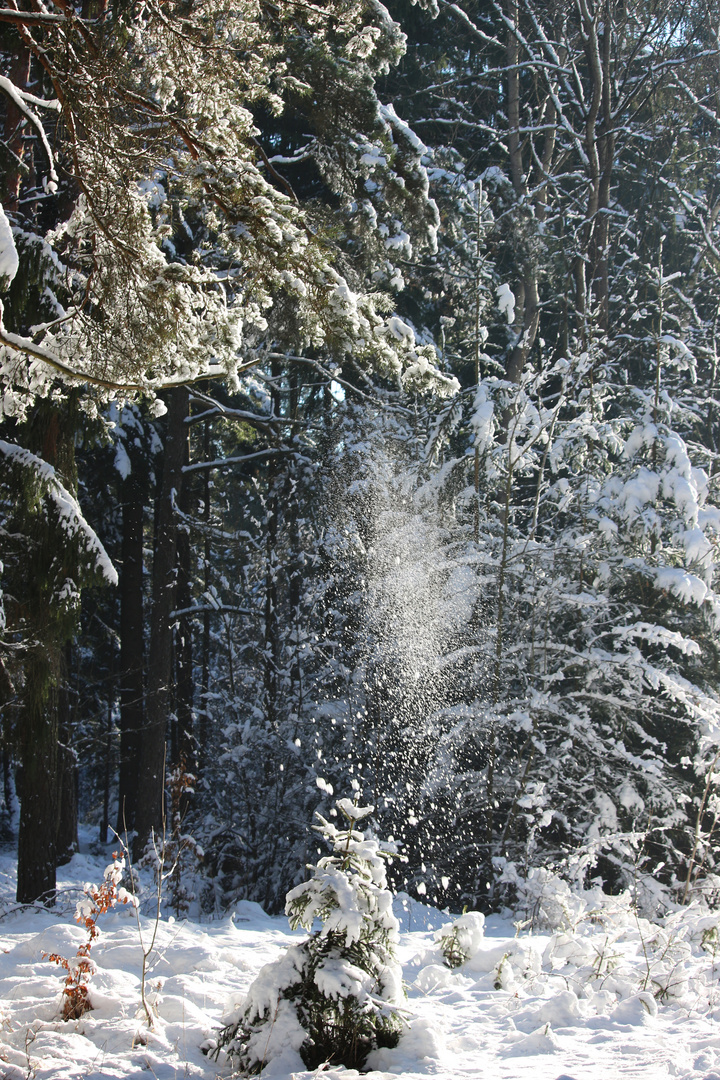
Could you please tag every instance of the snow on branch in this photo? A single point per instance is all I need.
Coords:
(47, 356)
(9, 261)
(21, 101)
(31, 18)
(42, 103)
(223, 463)
(18, 344)
(66, 505)
(469, 25)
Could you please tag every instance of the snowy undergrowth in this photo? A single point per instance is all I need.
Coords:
(600, 993)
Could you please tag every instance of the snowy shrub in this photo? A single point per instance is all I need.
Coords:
(335, 997)
(459, 941)
(543, 897)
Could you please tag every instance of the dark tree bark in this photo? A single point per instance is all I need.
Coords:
(150, 801)
(37, 836)
(7, 693)
(271, 642)
(67, 812)
(132, 652)
(205, 648)
(67, 781)
(51, 431)
(105, 823)
(271, 635)
(14, 130)
(8, 809)
(185, 750)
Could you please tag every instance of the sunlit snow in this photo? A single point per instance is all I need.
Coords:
(593, 992)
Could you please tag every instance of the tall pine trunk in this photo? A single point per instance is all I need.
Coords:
(150, 803)
(132, 652)
(51, 431)
(184, 751)
(37, 846)
(67, 777)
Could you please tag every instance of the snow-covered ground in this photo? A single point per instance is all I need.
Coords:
(609, 995)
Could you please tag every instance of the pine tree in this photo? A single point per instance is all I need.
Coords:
(173, 249)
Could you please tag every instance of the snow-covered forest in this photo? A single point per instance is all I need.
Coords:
(359, 431)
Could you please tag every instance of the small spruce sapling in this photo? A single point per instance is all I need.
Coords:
(460, 940)
(335, 997)
(182, 852)
(97, 901)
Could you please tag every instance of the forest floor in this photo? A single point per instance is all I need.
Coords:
(609, 996)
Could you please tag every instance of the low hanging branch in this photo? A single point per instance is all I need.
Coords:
(39, 352)
(31, 18)
(222, 463)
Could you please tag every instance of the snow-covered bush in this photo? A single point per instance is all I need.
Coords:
(460, 940)
(335, 997)
(543, 897)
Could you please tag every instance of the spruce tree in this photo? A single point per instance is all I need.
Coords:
(335, 997)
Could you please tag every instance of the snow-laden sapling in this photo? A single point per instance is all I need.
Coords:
(181, 852)
(79, 968)
(460, 940)
(335, 997)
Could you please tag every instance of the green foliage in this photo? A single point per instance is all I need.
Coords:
(335, 997)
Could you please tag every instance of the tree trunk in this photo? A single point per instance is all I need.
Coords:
(528, 303)
(7, 693)
(150, 803)
(52, 431)
(186, 752)
(132, 653)
(37, 850)
(67, 781)
(202, 747)
(606, 158)
(271, 635)
(600, 149)
(14, 130)
(107, 770)
(6, 818)
(67, 820)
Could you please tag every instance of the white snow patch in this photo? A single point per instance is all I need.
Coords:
(686, 586)
(400, 330)
(506, 301)
(607, 994)
(9, 261)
